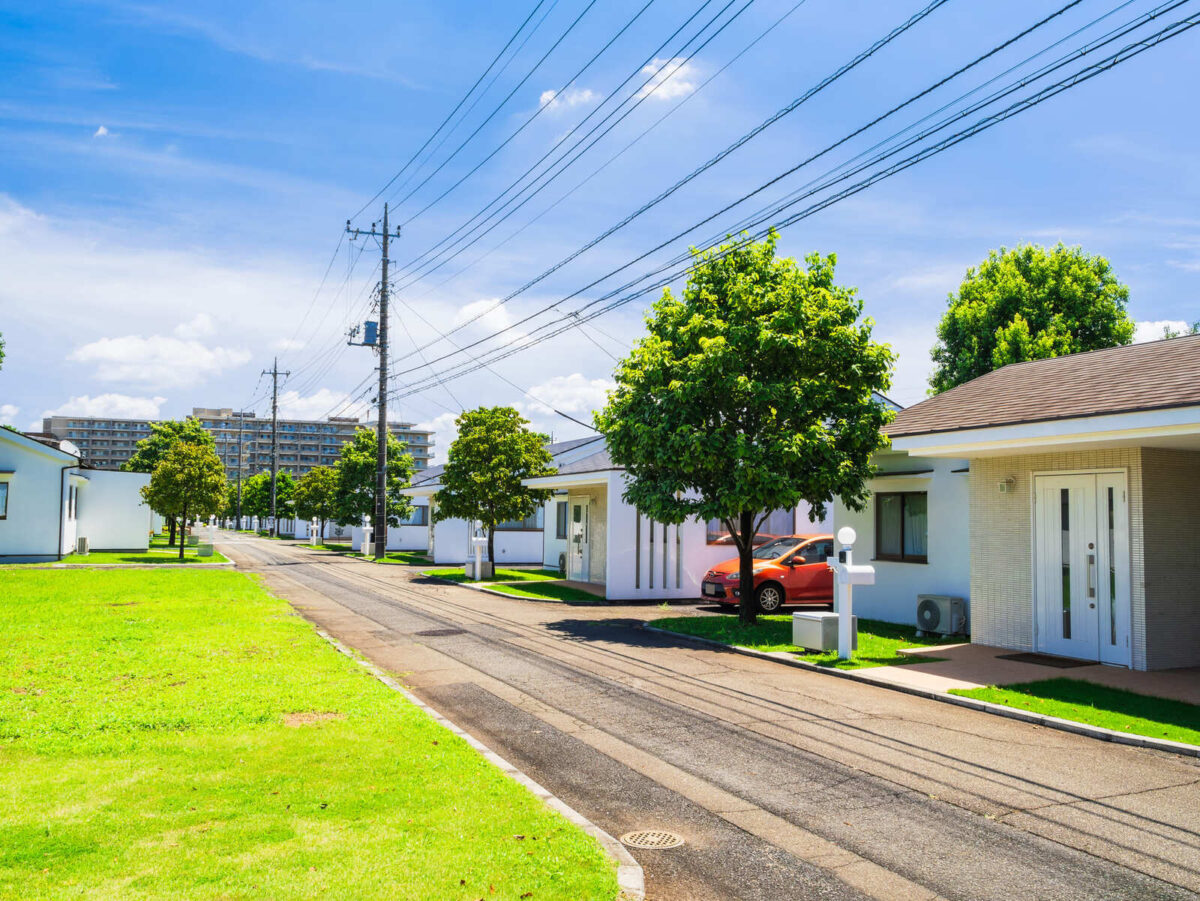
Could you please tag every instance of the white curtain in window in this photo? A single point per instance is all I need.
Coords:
(916, 525)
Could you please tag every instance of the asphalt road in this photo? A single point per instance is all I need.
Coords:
(784, 784)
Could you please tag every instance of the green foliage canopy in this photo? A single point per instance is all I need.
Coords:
(1029, 303)
(188, 482)
(316, 495)
(754, 391)
(256, 495)
(494, 451)
(152, 449)
(355, 469)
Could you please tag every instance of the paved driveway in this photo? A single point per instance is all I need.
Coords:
(785, 784)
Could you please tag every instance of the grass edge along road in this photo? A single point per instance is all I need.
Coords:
(182, 733)
(1098, 705)
(533, 584)
(879, 643)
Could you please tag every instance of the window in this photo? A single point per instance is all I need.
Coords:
(560, 519)
(778, 522)
(529, 523)
(418, 517)
(902, 527)
(3, 500)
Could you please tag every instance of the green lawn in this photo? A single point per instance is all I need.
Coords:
(404, 558)
(878, 642)
(1098, 705)
(546, 591)
(501, 575)
(183, 734)
(151, 556)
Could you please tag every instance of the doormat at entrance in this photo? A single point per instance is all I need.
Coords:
(1046, 660)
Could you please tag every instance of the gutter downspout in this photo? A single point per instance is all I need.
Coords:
(62, 491)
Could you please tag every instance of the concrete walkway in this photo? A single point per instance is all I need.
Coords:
(785, 784)
(975, 666)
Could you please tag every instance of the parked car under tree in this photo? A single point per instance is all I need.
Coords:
(787, 570)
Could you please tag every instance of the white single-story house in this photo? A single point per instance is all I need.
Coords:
(411, 535)
(605, 541)
(914, 530)
(49, 500)
(516, 543)
(1082, 493)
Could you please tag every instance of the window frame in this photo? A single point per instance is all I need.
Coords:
(562, 518)
(4, 492)
(901, 557)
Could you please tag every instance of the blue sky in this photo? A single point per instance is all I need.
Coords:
(174, 179)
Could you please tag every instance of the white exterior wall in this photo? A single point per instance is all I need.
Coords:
(452, 544)
(552, 546)
(112, 515)
(893, 597)
(31, 529)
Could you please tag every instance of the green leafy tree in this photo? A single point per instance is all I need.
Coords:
(188, 482)
(754, 391)
(152, 449)
(495, 449)
(316, 495)
(1, 351)
(356, 469)
(1193, 329)
(256, 495)
(1029, 304)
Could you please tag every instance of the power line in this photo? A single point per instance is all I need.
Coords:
(1038, 97)
(450, 115)
(659, 121)
(500, 106)
(791, 107)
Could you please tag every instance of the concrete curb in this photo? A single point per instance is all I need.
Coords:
(1012, 713)
(631, 881)
(229, 564)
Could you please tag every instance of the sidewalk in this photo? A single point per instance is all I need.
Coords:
(967, 666)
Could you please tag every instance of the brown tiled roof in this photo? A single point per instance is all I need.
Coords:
(1150, 376)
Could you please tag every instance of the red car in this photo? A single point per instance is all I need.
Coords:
(787, 570)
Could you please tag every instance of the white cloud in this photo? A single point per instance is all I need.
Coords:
(572, 394)
(157, 360)
(571, 97)
(321, 404)
(8, 412)
(199, 326)
(444, 433)
(1153, 330)
(669, 79)
(121, 406)
(100, 132)
(491, 316)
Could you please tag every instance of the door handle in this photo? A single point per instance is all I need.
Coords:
(1091, 576)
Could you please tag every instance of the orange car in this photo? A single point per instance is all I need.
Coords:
(787, 570)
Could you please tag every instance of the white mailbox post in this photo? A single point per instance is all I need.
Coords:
(845, 576)
(314, 533)
(478, 543)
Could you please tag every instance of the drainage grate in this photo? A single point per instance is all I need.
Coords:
(652, 839)
(440, 633)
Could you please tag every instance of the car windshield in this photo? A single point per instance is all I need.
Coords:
(773, 549)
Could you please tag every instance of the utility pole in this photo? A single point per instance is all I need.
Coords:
(379, 521)
(274, 373)
(241, 423)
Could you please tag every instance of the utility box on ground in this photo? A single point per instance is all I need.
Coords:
(818, 631)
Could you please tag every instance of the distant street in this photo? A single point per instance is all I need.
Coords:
(784, 784)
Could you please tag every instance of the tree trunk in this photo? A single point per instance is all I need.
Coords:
(183, 532)
(747, 606)
(492, 545)
(171, 528)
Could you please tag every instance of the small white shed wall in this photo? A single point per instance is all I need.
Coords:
(112, 515)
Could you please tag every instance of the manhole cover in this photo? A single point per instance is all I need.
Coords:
(651, 839)
(441, 633)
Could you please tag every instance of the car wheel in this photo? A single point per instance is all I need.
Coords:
(769, 597)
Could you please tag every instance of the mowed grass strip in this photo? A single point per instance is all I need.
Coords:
(1098, 705)
(180, 733)
(546, 591)
(457, 574)
(879, 643)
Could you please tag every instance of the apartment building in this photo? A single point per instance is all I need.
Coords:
(304, 444)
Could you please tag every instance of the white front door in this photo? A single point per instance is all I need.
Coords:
(579, 541)
(1082, 566)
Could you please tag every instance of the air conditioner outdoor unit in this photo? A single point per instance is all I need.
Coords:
(941, 614)
(81, 545)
